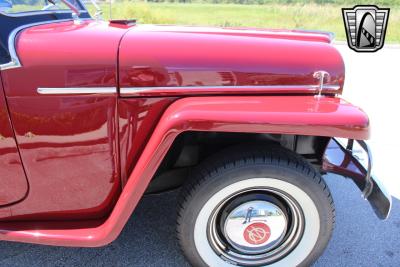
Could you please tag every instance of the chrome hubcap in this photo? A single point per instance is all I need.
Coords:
(255, 226)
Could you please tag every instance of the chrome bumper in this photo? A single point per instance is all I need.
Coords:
(353, 159)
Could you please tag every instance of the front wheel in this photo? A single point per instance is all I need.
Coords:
(255, 208)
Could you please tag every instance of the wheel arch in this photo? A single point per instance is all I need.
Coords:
(191, 148)
(287, 115)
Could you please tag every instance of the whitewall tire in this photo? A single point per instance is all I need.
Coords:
(255, 207)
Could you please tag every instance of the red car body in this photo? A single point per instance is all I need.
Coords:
(90, 110)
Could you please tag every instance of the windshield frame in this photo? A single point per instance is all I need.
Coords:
(82, 11)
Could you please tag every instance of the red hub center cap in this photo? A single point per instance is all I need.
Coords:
(257, 233)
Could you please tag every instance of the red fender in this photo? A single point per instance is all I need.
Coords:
(303, 115)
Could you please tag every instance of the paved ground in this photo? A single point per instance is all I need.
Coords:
(359, 238)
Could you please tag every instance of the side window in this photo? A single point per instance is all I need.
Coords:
(4, 56)
(20, 6)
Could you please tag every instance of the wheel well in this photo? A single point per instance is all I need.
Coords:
(191, 148)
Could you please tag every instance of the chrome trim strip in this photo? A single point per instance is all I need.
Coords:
(41, 12)
(15, 63)
(76, 90)
(331, 35)
(131, 91)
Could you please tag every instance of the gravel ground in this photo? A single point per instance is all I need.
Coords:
(359, 239)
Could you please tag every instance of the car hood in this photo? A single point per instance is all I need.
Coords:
(154, 56)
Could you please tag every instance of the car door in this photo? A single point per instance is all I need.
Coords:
(63, 106)
(13, 183)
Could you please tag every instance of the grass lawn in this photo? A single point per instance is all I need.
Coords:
(327, 17)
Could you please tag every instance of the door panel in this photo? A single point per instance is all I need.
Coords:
(13, 183)
(69, 152)
(67, 139)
